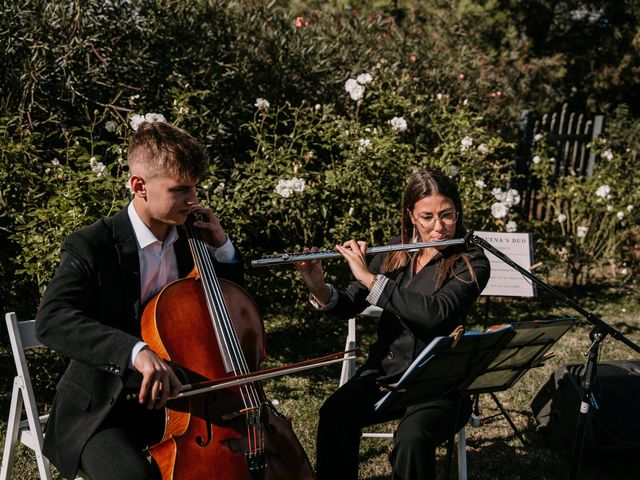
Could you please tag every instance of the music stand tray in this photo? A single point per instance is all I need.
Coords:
(477, 363)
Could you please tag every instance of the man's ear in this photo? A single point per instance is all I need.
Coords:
(138, 186)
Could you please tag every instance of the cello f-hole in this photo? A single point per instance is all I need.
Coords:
(207, 420)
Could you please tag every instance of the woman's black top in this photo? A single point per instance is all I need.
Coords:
(414, 309)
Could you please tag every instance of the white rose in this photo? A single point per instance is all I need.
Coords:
(512, 197)
(283, 189)
(582, 231)
(498, 194)
(154, 117)
(603, 191)
(262, 104)
(607, 155)
(499, 210)
(286, 188)
(297, 184)
(483, 149)
(398, 123)
(511, 226)
(135, 121)
(536, 159)
(561, 218)
(466, 143)
(480, 184)
(110, 126)
(364, 78)
(97, 167)
(350, 84)
(365, 143)
(355, 90)
(620, 215)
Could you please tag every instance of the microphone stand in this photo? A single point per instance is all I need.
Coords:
(599, 332)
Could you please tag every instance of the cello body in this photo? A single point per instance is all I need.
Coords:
(233, 433)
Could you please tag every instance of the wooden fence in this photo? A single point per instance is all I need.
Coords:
(569, 135)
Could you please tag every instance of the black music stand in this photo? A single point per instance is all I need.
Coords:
(476, 363)
(597, 335)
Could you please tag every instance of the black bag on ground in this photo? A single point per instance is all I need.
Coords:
(613, 421)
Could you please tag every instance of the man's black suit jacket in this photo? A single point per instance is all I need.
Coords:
(90, 313)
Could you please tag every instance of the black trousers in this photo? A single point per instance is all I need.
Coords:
(116, 450)
(422, 428)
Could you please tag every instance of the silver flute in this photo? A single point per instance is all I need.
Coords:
(281, 258)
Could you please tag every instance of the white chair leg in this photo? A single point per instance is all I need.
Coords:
(43, 466)
(349, 366)
(13, 430)
(462, 455)
(35, 428)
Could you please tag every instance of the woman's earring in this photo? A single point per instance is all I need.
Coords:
(414, 237)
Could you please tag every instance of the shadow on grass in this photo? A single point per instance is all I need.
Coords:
(500, 459)
(595, 298)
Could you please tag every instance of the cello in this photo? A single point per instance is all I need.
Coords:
(210, 328)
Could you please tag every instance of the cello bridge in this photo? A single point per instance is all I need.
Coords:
(250, 411)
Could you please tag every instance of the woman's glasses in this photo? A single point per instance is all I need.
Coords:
(448, 217)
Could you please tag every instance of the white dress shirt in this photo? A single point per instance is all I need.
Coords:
(158, 264)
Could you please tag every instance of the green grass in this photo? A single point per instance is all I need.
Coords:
(493, 451)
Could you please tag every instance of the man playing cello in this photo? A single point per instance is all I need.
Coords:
(91, 310)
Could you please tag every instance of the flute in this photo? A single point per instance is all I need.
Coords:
(281, 258)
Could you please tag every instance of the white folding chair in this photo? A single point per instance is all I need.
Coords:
(349, 368)
(28, 431)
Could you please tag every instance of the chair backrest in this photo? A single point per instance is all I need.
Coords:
(22, 336)
(349, 365)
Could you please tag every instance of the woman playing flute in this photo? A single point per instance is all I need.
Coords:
(422, 294)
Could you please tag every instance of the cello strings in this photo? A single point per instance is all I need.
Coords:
(228, 340)
(255, 434)
(234, 360)
(226, 334)
(234, 351)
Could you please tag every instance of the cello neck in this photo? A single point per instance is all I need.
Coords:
(228, 343)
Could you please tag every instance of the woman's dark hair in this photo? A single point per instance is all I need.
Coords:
(421, 185)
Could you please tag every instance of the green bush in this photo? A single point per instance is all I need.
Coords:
(75, 73)
(318, 177)
(591, 219)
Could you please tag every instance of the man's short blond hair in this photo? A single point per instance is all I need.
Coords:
(163, 149)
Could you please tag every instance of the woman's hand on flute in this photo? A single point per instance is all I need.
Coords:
(313, 276)
(354, 253)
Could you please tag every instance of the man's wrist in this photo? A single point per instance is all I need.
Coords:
(137, 348)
